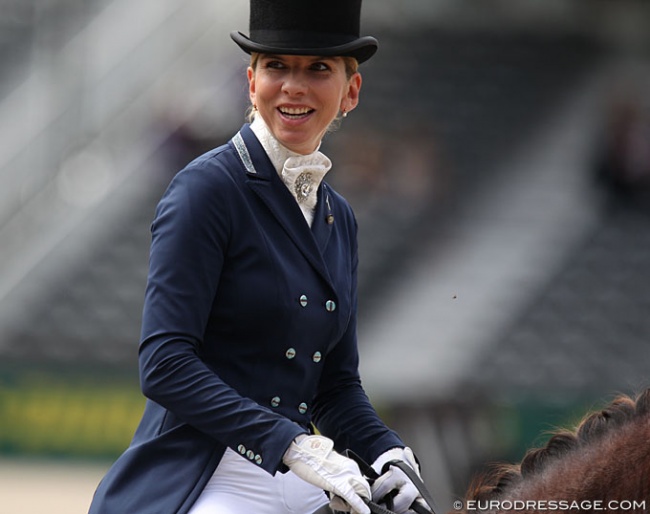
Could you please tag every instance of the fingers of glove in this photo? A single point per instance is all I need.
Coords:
(395, 479)
(356, 506)
(341, 478)
(338, 504)
(361, 486)
(337, 483)
(423, 505)
(345, 476)
(313, 459)
(386, 483)
(405, 498)
(355, 493)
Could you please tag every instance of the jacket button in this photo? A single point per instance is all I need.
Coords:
(250, 455)
(258, 459)
(330, 306)
(330, 219)
(302, 408)
(303, 300)
(241, 449)
(290, 353)
(275, 401)
(317, 357)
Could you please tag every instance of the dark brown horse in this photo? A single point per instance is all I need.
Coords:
(601, 466)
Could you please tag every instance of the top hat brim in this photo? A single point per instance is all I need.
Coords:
(362, 48)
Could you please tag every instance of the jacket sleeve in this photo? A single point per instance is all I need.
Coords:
(342, 410)
(190, 236)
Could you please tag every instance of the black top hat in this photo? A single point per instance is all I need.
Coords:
(306, 27)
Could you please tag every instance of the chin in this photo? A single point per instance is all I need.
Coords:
(299, 145)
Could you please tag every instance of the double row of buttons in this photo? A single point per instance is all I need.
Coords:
(330, 305)
(250, 454)
(291, 354)
(276, 401)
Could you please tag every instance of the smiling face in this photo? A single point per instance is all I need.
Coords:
(299, 96)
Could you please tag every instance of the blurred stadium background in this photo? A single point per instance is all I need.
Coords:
(499, 165)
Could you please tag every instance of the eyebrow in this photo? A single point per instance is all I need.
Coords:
(316, 57)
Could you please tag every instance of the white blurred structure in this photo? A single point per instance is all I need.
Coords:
(79, 125)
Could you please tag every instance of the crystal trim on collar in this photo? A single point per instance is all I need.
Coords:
(245, 157)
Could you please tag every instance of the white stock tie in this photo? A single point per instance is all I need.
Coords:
(302, 174)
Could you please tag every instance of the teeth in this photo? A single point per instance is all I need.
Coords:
(294, 111)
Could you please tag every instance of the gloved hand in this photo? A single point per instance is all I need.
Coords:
(394, 479)
(314, 460)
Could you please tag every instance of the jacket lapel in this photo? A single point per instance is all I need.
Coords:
(263, 179)
(323, 218)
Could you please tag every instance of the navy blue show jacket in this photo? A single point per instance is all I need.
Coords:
(248, 333)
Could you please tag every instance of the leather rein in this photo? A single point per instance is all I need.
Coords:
(372, 475)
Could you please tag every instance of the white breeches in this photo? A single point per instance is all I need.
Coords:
(240, 487)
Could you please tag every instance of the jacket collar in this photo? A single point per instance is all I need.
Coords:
(263, 179)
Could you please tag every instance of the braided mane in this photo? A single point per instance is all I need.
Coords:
(606, 457)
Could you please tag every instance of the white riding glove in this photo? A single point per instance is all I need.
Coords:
(396, 479)
(314, 460)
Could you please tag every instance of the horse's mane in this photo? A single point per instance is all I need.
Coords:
(595, 428)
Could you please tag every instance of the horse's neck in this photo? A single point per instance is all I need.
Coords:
(617, 467)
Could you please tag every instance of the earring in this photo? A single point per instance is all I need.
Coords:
(255, 107)
(344, 113)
